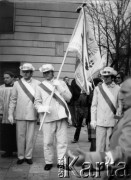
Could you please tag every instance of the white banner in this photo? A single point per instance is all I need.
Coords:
(84, 44)
(75, 44)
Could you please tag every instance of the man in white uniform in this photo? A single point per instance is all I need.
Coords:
(22, 102)
(103, 108)
(57, 113)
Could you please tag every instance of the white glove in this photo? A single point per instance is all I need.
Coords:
(43, 109)
(11, 119)
(93, 124)
(109, 158)
(58, 85)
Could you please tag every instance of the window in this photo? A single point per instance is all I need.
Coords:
(6, 17)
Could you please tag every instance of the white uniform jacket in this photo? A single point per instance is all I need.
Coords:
(57, 111)
(20, 102)
(100, 110)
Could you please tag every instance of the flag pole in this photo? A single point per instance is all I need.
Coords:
(84, 51)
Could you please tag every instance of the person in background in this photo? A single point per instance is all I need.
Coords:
(66, 80)
(76, 91)
(8, 131)
(103, 108)
(8, 79)
(118, 157)
(81, 111)
(119, 78)
(57, 114)
(22, 103)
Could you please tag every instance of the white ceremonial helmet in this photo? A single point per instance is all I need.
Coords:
(108, 71)
(27, 67)
(46, 67)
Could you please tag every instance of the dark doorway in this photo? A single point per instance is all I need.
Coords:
(9, 66)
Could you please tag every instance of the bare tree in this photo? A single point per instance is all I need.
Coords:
(112, 22)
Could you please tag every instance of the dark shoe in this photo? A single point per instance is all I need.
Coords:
(20, 161)
(29, 161)
(48, 167)
(7, 154)
(74, 141)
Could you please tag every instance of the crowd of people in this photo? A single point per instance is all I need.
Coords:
(26, 100)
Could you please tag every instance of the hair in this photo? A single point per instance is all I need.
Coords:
(9, 73)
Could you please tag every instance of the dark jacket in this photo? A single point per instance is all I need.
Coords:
(75, 90)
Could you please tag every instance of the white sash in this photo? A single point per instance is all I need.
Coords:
(29, 87)
(50, 86)
(109, 94)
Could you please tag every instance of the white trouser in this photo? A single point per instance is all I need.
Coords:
(25, 136)
(102, 138)
(52, 130)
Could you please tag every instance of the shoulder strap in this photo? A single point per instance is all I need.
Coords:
(107, 99)
(27, 92)
(45, 88)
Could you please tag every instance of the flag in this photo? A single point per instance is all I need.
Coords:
(89, 61)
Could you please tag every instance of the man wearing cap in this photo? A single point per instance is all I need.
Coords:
(57, 113)
(22, 102)
(103, 108)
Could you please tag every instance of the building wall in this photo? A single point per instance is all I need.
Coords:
(41, 35)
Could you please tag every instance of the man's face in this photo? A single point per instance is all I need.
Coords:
(118, 79)
(48, 75)
(125, 94)
(8, 79)
(27, 74)
(107, 79)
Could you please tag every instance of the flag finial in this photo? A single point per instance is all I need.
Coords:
(80, 7)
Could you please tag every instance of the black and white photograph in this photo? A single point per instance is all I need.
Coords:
(65, 89)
